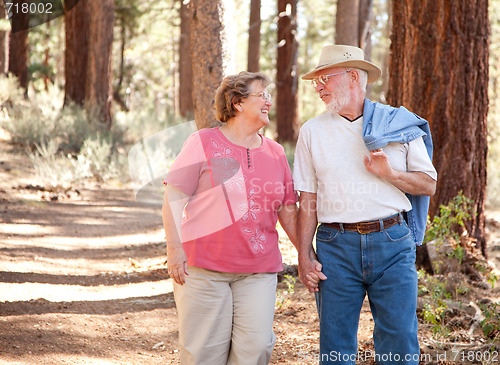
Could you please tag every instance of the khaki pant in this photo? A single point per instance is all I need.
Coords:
(226, 318)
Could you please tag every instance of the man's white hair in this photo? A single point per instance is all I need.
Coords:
(363, 78)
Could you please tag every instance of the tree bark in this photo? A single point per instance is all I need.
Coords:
(186, 106)
(208, 52)
(18, 47)
(98, 91)
(364, 26)
(254, 37)
(4, 43)
(346, 23)
(287, 72)
(439, 70)
(76, 20)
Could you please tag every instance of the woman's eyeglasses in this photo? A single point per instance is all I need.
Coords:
(263, 95)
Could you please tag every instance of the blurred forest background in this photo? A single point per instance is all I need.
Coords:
(78, 91)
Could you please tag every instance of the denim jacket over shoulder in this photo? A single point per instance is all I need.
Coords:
(383, 124)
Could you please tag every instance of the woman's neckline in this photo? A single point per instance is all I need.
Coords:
(224, 137)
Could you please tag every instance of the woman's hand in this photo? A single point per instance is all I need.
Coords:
(177, 263)
(174, 201)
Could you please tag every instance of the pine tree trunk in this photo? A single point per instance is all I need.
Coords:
(207, 51)
(346, 22)
(98, 91)
(364, 26)
(254, 36)
(75, 60)
(4, 43)
(287, 72)
(18, 47)
(185, 64)
(439, 70)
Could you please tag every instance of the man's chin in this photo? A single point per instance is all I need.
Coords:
(332, 109)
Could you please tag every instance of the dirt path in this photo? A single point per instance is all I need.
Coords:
(82, 280)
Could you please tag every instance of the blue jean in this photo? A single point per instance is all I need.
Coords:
(382, 265)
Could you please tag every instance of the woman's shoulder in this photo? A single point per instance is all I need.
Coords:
(207, 132)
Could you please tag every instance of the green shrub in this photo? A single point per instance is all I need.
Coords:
(491, 322)
(449, 224)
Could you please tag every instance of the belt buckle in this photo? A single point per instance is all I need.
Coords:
(361, 230)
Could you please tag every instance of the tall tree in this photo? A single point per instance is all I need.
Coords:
(287, 113)
(449, 87)
(364, 26)
(346, 22)
(353, 24)
(18, 46)
(76, 24)
(4, 42)
(254, 36)
(185, 64)
(98, 90)
(208, 51)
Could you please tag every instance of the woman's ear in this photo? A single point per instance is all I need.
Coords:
(238, 107)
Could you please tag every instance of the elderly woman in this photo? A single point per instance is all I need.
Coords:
(224, 194)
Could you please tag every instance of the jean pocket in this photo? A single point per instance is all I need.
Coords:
(326, 235)
(398, 233)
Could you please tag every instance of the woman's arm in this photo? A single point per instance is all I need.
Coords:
(287, 215)
(174, 201)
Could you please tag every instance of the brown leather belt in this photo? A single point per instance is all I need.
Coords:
(366, 227)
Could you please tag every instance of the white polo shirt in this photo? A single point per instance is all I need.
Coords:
(329, 162)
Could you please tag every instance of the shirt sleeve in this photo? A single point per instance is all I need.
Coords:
(186, 168)
(304, 174)
(418, 159)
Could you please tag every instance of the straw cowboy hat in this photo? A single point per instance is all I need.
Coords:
(344, 56)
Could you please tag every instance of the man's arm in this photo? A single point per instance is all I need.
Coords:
(309, 267)
(415, 182)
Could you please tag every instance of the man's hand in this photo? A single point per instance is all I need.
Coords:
(310, 273)
(411, 182)
(378, 164)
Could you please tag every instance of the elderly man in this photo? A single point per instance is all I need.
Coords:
(364, 171)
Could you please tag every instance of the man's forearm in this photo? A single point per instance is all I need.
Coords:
(415, 183)
(307, 222)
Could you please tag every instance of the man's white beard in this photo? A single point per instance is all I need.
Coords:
(340, 98)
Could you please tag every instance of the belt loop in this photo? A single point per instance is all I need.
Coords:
(381, 222)
(341, 225)
(400, 218)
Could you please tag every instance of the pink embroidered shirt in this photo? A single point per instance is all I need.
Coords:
(229, 222)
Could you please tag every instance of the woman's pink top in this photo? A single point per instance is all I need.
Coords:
(229, 222)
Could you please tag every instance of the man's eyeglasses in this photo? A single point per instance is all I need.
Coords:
(263, 95)
(323, 79)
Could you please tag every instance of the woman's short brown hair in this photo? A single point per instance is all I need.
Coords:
(232, 90)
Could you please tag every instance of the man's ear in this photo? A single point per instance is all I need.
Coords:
(354, 75)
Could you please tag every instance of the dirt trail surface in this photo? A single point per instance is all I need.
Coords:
(83, 280)
(83, 277)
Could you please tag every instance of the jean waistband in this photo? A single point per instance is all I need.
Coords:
(368, 227)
